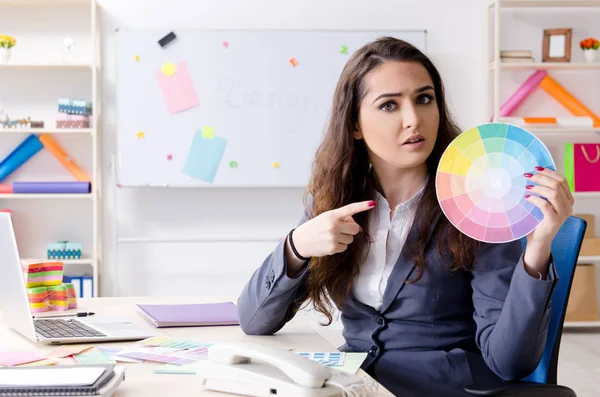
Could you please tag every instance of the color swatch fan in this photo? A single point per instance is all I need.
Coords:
(480, 183)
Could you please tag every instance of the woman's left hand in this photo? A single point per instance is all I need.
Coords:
(556, 208)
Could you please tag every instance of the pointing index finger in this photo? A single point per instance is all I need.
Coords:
(354, 208)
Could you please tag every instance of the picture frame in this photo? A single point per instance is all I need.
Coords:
(556, 45)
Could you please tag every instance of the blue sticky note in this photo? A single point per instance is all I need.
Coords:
(204, 157)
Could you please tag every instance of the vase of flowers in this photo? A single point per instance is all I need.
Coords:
(6, 44)
(590, 48)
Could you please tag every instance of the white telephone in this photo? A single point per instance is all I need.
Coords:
(264, 371)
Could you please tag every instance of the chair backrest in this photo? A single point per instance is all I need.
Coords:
(565, 251)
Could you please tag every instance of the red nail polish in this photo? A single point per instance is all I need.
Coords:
(539, 168)
(527, 175)
(372, 203)
(527, 196)
(529, 187)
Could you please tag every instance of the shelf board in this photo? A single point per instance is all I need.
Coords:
(82, 261)
(49, 65)
(82, 131)
(46, 196)
(581, 324)
(547, 3)
(547, 65)
(561, 130)
(588, 259)
(37, 3)
(586, 194)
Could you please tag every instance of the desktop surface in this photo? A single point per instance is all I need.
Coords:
(140, 380)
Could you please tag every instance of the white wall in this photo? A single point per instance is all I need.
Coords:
(223, 268)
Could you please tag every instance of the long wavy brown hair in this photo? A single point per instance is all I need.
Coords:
(341, 175)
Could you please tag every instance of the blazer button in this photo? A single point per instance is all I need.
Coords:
(380, 321)
(373, 351)
(267, 284)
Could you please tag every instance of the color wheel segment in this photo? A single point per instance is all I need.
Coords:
(480, 184)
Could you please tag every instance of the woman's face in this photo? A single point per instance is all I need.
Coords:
(398, 116)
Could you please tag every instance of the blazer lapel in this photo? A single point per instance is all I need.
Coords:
(403, 268)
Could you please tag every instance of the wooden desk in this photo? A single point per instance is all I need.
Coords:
(140, 379)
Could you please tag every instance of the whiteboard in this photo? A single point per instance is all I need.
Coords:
(254, 116)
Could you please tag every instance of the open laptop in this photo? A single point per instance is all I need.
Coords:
(17, 314)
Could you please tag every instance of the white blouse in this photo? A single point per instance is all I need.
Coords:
(389, 237)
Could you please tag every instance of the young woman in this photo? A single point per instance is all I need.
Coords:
(434, 309)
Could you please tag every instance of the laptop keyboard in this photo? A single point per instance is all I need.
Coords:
(59, 328)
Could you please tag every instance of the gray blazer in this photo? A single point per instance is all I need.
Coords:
(435, 336)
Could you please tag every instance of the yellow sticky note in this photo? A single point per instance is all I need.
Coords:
(208, 132)
(140, 134)
(168, 69)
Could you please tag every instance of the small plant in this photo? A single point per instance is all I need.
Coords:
(589, 44)
(7, 41)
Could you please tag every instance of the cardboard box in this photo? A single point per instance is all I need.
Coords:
(583, 299)
(590, 247)
(591, 224)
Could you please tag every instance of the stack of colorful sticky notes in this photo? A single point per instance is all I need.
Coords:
(42, 273)
(38, 299)
(58, 299)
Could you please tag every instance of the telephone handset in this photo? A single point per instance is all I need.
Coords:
(257, 370)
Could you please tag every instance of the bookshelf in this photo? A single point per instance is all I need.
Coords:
(39, 61)
(496, 69)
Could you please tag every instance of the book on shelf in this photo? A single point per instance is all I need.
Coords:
(516, 56)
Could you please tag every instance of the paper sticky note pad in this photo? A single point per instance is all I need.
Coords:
(68, 350)
(178, 90)
(204, 157)
(208, 132)
(10, 358)
(168, 69)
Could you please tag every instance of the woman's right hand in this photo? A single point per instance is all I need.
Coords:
(331, 232)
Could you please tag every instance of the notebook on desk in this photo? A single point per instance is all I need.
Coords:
(62, 380)
(191, 315)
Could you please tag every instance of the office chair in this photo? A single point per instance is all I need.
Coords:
(543, 381)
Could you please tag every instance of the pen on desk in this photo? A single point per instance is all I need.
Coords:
(81, 314)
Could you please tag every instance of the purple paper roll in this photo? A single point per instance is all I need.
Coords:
(52, 187)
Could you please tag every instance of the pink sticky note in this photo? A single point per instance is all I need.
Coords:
(15, 358)
(178, 90)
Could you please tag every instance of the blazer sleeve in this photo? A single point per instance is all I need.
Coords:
(512, 310)
(271, 298)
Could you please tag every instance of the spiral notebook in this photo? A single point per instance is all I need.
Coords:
(62, 380)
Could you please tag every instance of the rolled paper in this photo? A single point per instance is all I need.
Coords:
(52, 187)
(27, 149)
(561, 95)
(64, 159)
(58, 298)
(521, 93)
(71, 295)
(42, 274)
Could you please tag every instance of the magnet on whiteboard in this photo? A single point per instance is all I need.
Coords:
(293, 61)
(169, 157)
(167, 39)
(140, 135)
(276, 165)
(233, 164)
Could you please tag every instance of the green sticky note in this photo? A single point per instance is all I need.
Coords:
(352, 362)
(344, 50)
(93, 356)
(208, 132)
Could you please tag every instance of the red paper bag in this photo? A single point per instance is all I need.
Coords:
(586, 159)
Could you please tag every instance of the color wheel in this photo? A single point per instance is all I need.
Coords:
(480, 184)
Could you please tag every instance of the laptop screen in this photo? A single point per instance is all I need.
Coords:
(13, 295)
